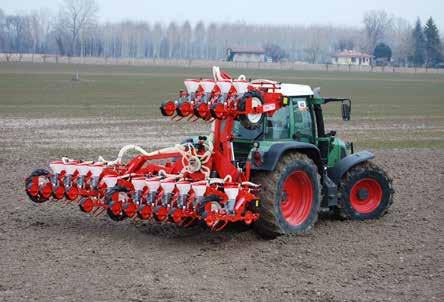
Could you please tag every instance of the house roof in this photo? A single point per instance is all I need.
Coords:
(352, 53)
(246, 50)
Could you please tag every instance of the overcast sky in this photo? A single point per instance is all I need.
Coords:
(337, 12)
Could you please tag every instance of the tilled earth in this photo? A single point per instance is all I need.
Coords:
(53, 252)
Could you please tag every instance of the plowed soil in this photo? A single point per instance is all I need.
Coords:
(53, 252)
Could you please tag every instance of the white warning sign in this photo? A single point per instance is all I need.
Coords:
(302, 105)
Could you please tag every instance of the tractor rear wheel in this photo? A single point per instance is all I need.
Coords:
(365, 192)
(290, 197)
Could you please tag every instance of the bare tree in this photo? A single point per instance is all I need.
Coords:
(157, 39)
(76, 32)
(18, 34)
(317, 43)
(40, 26)
(199, 40)
(185, 40)
(75, 16)
(376, 25)
(172, 36)
(2, 30)
(401, 42)
(211, 39)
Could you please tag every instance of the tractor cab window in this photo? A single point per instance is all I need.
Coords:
(303, 123)
(278, 125)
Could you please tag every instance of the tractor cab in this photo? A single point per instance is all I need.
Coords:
(300, 119)
(292, 122)
(287, 124)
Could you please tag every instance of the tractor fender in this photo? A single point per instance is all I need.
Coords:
(271, 157)
(335, 173)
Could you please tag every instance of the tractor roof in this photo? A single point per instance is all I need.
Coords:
(296, 90)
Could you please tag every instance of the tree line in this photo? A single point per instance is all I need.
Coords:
(75, 31)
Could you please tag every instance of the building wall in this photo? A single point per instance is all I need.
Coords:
(248, 57)
(352, 61)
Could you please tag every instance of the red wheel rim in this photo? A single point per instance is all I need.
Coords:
(184, 109)
(178, 216)
(366, 204)
(116, 208)
(59, 192)
(116, 203)
(218, 111)
(46, 190)
(87, 205)
(33, 188)
(202, 110)
(162, 214)
(168, 108)
(145, 211)
(72, 193)
(298, 198)
(130, 209)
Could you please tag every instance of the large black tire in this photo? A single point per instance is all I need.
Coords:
(360, 196)
(244, 119)
(272, 221)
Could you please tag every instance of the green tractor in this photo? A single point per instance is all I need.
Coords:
(268, 163)
(303, 170)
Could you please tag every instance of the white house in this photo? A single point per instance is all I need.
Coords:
(246, 55)
(351, 57)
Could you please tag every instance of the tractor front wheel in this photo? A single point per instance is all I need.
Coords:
(365, 192)
(290, 197)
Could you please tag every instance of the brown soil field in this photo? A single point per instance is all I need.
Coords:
(53, 252)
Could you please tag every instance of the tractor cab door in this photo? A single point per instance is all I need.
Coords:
(277, 126)
(302, 129)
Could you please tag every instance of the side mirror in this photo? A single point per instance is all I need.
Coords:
(346, 110)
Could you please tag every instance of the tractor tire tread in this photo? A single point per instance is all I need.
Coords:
(268, 224)
(359, 169)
